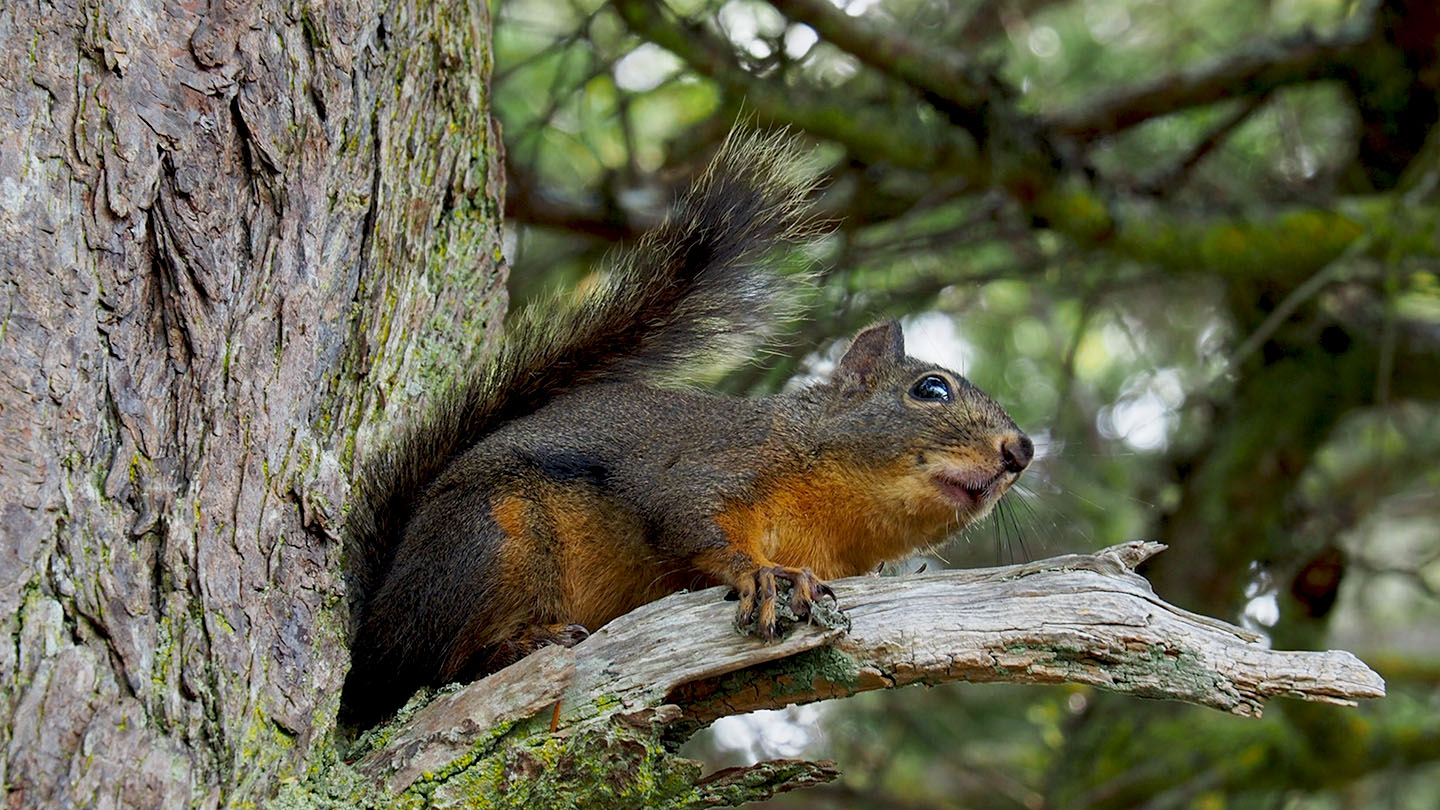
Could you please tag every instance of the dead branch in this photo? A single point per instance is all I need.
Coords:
(677, 664)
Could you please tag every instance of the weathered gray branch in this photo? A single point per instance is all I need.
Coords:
(675, 665)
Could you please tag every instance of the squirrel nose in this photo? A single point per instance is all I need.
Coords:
(1017, 451)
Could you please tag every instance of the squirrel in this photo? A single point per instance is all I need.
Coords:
(571, 482)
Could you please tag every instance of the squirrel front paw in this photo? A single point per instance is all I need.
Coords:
(763, 604)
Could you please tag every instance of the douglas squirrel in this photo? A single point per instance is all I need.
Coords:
(567, 485)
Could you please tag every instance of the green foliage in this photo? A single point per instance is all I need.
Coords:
(1221, 333)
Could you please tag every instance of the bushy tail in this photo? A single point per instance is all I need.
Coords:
(696, 289)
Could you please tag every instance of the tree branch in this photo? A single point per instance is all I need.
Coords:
(648, 680)
(965, 93)
(944, 77)
(992, 17)
(1175, 176)
(526, 201)
(1253, 71)
(893, 135)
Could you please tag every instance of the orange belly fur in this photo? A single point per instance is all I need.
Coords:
(839, 521)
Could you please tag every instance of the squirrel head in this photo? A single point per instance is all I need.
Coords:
(949, 450)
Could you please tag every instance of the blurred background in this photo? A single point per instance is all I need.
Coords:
(1193, 247)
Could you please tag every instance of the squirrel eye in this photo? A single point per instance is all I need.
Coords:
(931, 387)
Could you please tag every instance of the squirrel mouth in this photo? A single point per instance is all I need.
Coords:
(970, 489)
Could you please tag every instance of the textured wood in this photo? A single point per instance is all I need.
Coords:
(1080, 619)
(446, 728)
(1086, 619)
(226, 231)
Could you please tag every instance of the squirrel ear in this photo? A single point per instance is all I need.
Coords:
(874, 348)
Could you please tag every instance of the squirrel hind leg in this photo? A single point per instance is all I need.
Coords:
(533, 638)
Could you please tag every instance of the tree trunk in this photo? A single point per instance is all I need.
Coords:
(230, 238)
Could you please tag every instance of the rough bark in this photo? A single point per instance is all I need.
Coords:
(230, 236)
(602, 719)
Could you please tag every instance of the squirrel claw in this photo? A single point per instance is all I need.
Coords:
(745, 615)
(571, 634)
(758, 603)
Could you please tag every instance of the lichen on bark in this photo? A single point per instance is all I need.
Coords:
(231, 238)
